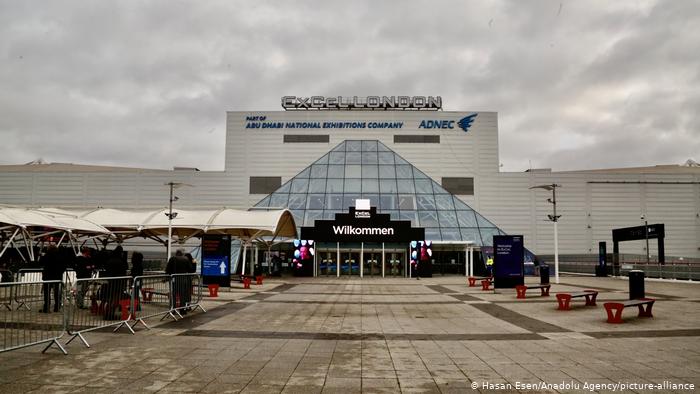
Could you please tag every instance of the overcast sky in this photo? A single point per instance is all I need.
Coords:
(576, 84)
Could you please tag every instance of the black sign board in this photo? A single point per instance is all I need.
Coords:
(636, 233)
(508, 261)
(363, 226)
(216, 260)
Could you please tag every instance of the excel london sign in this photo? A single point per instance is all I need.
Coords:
(432, 103)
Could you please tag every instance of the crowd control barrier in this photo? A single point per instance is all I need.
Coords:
(98, 303)
(151, 296)
(186, 293)
(29, 323)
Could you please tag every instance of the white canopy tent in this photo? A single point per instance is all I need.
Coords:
(116, 225)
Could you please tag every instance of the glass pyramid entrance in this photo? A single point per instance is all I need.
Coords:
(368, 169)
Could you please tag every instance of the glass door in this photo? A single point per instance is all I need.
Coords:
(372, 264)
(394, 264)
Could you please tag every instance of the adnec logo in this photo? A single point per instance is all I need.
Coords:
(465, 123)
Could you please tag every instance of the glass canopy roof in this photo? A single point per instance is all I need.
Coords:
(368, 169)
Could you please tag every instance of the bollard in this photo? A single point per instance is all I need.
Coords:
(636, 283)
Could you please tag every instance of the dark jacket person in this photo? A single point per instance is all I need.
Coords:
(182, 284)
(54, 267)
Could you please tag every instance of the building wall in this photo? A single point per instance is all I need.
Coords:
(591, 203)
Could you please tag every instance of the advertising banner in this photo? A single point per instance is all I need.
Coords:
(509, 255)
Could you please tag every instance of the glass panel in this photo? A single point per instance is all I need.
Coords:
(349, 200)
(284, 188)
(387, 172)
(450, 234)
(305, 173)
(316, 201)
(471, 234)
(424, 186)
(369, 146)
(323, 160)
(386, 158)
(419, 174)
(340, 147)
(298, 217)
(265, 202)
(394, 215)
(369, 157)
(447, 218)
(370, 186)
(353, 171)
(487, 235)
(407, 201)
(373, 199)
(425, 202)
(319, 171)
(334, 186)
(297, 201)
(437, 189)
(428, 218)
(444, 201)
(335, 171)
(335, 202)
(329, 215)
(400, 160)
(409, 215)
(388, 201)
(459, 204)
(406, 186)
(466, 218)
(353, 186)
(432, 234)
(353, 158)
(279, 200)
(337, 158)
(300, 185)
(317, 185)
(404, 172)
(483, 222)
(381, 147)
(311, 216)
(353, 146)
(387, 186)
(369, 171)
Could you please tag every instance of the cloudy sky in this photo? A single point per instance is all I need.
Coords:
(577, 84)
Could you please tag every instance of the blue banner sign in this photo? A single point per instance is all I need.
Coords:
(215, 266)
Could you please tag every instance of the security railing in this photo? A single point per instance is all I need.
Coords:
(33, 323)
(26, 316)
(151, 297)
(98, 303)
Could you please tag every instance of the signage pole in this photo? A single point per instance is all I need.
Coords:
(383, 260)
(556, 254)
(362, 259)
(337, 260)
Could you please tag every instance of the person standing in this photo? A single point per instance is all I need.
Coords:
(84, 269)
(115, 266)
(489, 265)
(137, 271)
(53, 271)
(182, 285)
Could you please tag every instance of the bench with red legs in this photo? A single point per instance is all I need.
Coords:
(564, 299)
(521, 289)
(614, 309)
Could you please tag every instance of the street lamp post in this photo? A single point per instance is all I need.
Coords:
(554, 218)
(172, 215)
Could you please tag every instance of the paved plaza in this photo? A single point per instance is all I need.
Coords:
(437, 335)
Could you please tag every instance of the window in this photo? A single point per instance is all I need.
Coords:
(457, 185)
(264, 184)
(417, 139)
(293, 138)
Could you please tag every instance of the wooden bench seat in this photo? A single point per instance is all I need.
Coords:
(521, 289)
(614, 309)
(564, 299)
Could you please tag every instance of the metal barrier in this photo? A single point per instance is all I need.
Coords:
(185, 287)
(35, 324)
(151, 296)
(98, 303)
(28, 275)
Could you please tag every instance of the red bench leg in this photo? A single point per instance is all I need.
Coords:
(614, 310)
(246, 283)
(590, 298)
(564, 301)
(472, 281)
(485, 284)
(645, 312)
(545, 291)
(213, 290)
(520, 290)
(258, 280)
